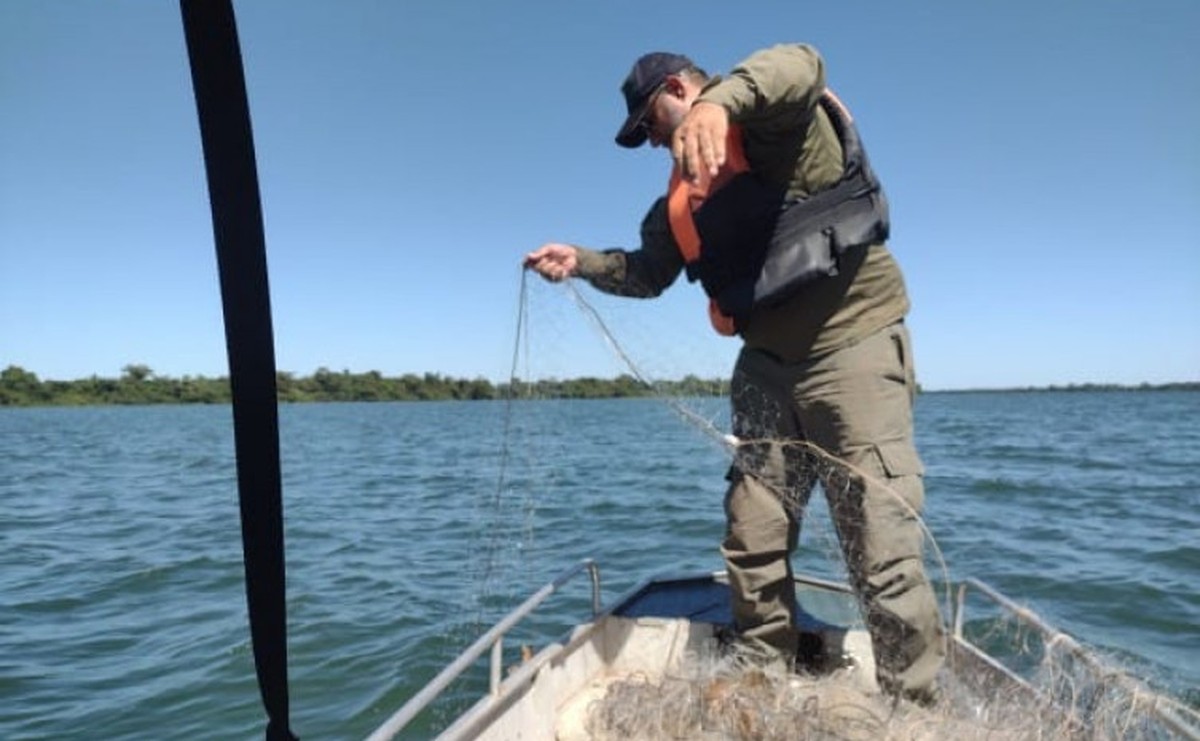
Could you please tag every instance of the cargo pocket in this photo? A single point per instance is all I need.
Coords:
(904, 472)
(899, 458)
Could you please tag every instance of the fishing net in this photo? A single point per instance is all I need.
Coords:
(1008, 675)
(722, 700)
(718, 698)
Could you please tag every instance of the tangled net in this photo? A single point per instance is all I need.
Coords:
(706, 699)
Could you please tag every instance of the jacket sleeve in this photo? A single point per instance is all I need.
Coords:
(642, 273)
(771, 81)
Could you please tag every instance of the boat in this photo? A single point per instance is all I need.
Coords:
(647, 638)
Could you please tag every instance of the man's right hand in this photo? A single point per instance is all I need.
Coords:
(553, 261)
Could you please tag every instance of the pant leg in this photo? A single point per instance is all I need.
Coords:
(758, 540)
(857, 405)
(762, 508)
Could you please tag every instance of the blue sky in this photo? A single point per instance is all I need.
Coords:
(1042, 162)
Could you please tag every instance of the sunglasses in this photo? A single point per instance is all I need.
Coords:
(648, 117)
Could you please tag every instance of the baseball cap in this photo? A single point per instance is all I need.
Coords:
(649, 71)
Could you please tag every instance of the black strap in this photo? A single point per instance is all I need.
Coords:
(224, 113)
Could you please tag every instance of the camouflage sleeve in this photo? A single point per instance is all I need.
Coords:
(784, 76)
(642, 273)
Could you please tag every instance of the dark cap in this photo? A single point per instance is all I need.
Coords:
(647, 74)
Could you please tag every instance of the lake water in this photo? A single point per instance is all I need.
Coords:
(122, 610)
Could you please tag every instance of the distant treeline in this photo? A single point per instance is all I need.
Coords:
(138, 384)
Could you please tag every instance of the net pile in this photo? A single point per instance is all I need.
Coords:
(708, 699)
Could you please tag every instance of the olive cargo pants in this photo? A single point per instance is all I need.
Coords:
(855, 404)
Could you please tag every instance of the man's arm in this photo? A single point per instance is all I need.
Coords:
(785, 77)
(782, 83)
(642, 273)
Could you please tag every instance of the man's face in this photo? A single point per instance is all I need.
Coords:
(667, 108)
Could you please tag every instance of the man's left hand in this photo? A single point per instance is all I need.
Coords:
(698, 144)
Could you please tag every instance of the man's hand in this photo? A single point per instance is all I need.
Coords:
(698, 144)
(553, 261)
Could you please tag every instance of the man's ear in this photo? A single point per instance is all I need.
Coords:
(675, 86)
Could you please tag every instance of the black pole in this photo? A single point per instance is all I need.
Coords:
(224, 113)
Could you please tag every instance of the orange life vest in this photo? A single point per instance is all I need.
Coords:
(684, 197)
(750, 247)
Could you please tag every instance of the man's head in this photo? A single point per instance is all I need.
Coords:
(658, 92)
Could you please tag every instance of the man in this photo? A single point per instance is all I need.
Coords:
(773, 207)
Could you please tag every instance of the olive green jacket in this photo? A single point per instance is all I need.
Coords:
(789, 142)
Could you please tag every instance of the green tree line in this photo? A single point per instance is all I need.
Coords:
(138, 384)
